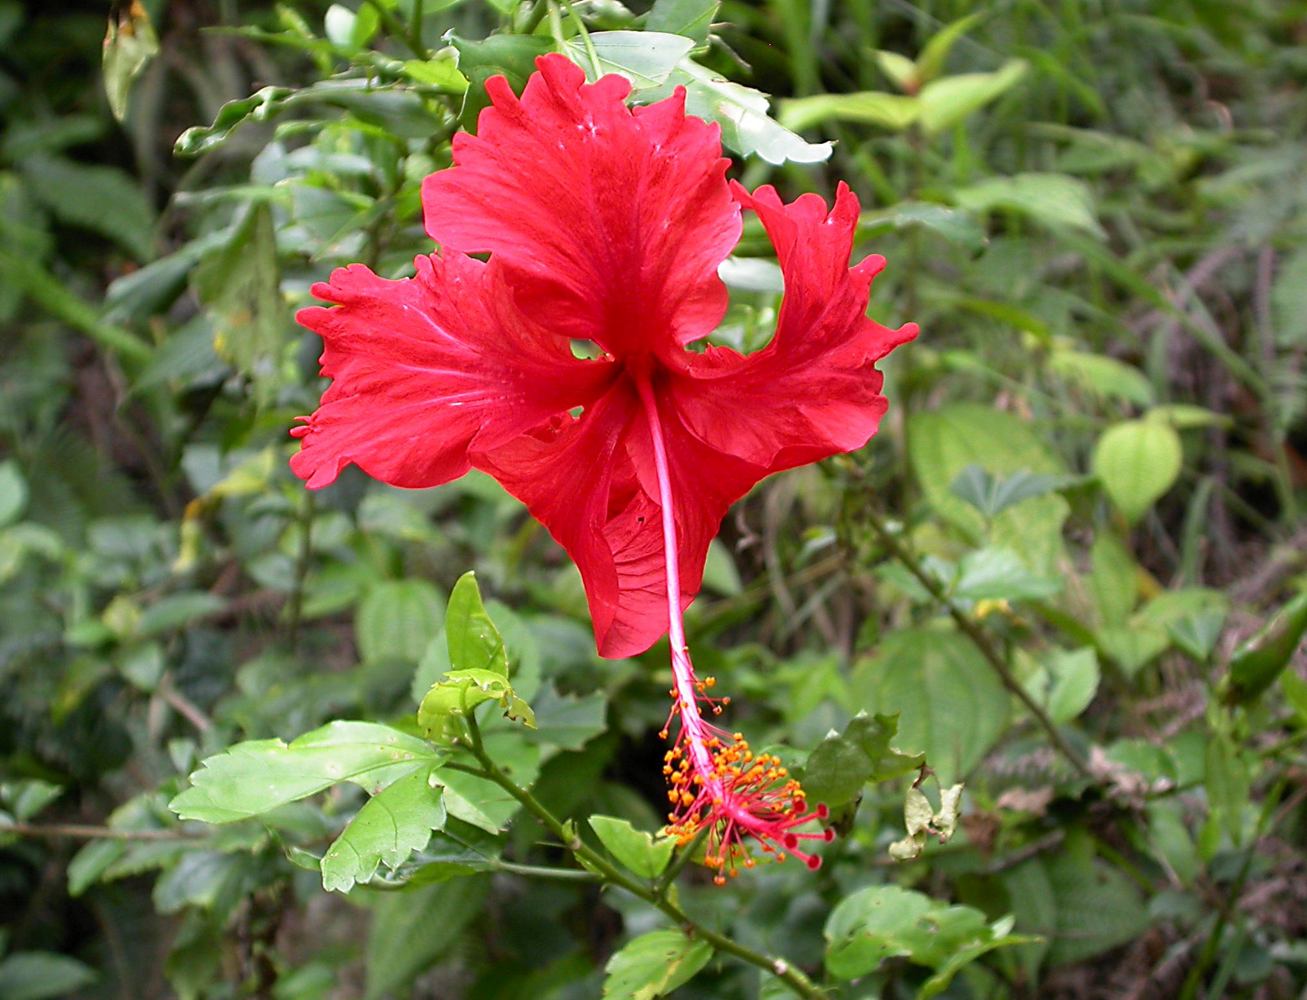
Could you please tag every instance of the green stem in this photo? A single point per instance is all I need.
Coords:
(597, 863)
(979, 638)
(591, 53)
(397, 29)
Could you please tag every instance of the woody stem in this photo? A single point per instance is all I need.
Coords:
(682, 668)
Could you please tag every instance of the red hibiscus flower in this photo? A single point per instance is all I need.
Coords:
(607, 224)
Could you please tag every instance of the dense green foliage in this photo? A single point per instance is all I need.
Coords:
(1069, 571)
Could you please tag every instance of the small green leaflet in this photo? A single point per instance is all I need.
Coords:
(638, 851)
(654, 964)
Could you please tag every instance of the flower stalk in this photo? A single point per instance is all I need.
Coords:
(719, 789)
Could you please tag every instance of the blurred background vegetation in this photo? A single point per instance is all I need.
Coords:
(1072, 562)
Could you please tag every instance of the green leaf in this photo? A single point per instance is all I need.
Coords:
(892, 111)
(999, 574)
(742, 114)
(459, 694)
(1256, 664)
(1295, 693)
(646, 58)
(397, 619)
(841, 764)
(943, 443)
(654, 964)
(396, 955)
(950, 703)
(392, 824)
(38, 975)
(640, 852)
(933, 55)
(13, 492)
(1105, 377)
(479, 801)
(177, 610)
(510, 56)
(1053, 199)
(886, 921)
(440, 72)
(1137, 462)
(991, 495)
(100, 199)
(901, 70)
(1113, 579)
(1184, 416)
(474, 642)
(1289, 300)
(129, 44)
(566, 721)
(259, 775)
(1074, 678)
(691, 18)
(240, 285)
(946, 101)
(394, 108)
(954, 225)
(1098, 908)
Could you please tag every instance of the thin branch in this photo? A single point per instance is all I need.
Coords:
(794, 978)
(979, 637)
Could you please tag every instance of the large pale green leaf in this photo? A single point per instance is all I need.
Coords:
(841, 764)
(638, 851)
(1137, 462)
(253, 777)
(742, 113)
(949, 701)
(394, 823)
(943, 443)
(397, 619)
(654, 964)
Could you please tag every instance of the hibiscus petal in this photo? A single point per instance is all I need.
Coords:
(590, 482)
(610, 221)
(814, 391)
(423, 368)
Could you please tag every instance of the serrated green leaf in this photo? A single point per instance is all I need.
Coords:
(392, 824)
(638, 851)
(654, 964)
(841, 764)
(259, 775)
(1137, 461)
